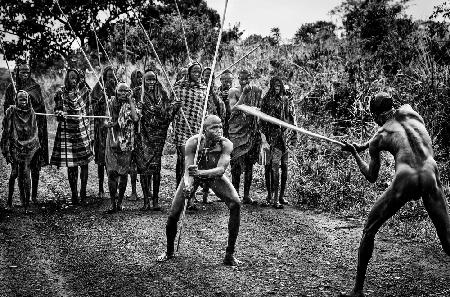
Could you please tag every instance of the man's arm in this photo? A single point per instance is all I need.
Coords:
(371, 170)
(191, 146)
(244, 93)
(222, 164)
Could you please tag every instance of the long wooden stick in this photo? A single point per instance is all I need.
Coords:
(205, 105)
(255, 112)
(229, 67)
(9, 69)
(72, 116)
(162, 67)
(184, 32)
(89, 63)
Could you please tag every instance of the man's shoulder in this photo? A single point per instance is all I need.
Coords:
(233, 91)
(226, 143)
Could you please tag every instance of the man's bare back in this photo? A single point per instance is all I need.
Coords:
(404, 135)
(407, 139)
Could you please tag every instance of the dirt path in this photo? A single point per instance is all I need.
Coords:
(60, 251)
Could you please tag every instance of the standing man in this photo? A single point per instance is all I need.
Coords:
(226, 80)
(136, 83)
(72, 146)
(119, 148)
(99, 107)
(19, 143)
(403, 134)
(277, 104)
(157, 113)
(213, 160)
(192, 93)
(244, 133)
(26, 83)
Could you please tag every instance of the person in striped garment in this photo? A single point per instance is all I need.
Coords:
(192, 93)
(74, 135)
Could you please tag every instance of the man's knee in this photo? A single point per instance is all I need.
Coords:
(235, 205)
(14, 172)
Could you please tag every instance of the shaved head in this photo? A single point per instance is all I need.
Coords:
(211, 120)
(380, 103)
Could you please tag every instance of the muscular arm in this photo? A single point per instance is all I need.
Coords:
(371, 170)
(222, 164)
(191, 146)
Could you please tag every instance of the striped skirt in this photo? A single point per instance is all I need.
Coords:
(72, 144)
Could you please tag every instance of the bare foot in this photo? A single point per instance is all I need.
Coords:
(133, 197)
(284, 201)
(164, 257)
(230, 260)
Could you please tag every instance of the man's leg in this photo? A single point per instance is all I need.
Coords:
(275, 169)
(236, 170)
(248, 177)
(145, 184)
(284, 173)
(123, 180)
(133, 196)
(12, 182)
(268, 181)
(24, 184)
(156, 185)
(172, 222)
(437, 208)
(84, 174)
(72, 173)
(225, 191)
(384, 208)
(35, 172)
(180, 164)
(101, 180)
(113, 180)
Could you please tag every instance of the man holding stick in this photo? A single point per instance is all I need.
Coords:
(214, 158)
(244, 133)
(403, 134)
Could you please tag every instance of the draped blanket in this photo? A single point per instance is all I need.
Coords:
(157, 114)
(193, 98)
(119, 148)
(20, 139)
(73, 136)
(38, 104)
(243, 128)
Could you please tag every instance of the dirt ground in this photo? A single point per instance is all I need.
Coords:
(79, 251)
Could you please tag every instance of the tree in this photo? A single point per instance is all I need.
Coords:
(378, 27)
(253, 39)
(42, 30)
(310, 32)
(275, 37)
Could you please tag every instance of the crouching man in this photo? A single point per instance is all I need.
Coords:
(213, 159)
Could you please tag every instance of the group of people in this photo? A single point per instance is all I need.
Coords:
(123, 128)
(130, 129)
